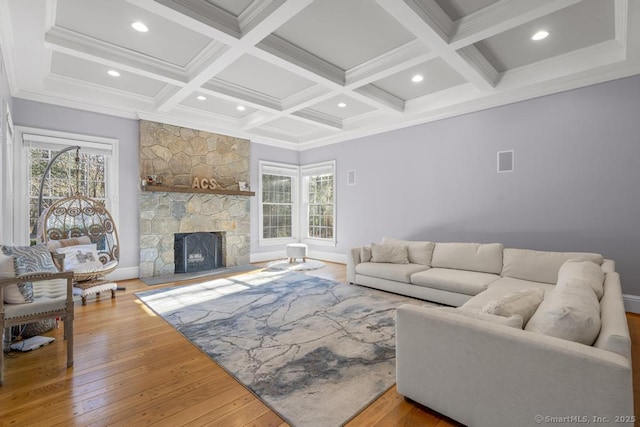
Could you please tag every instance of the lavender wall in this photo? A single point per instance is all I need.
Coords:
(272, 154)
(52, 117)
(576, 184)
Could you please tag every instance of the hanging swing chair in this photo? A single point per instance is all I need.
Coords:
(80, 220)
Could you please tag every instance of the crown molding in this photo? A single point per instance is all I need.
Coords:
(79, 45)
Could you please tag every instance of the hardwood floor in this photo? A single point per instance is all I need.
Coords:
(131, 369)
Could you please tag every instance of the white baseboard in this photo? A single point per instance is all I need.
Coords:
(125, 273)
(322, 256)
(631, 303)
(267, 256)
(328, 256)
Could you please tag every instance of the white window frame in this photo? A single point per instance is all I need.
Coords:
(305, 172)
(272, 168)
(299, 200)
(24, 137)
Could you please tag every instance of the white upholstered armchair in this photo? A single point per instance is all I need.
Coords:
(52, 297)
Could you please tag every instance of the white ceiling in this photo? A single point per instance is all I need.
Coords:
(290, 63)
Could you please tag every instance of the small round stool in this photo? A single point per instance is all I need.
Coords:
(296, 250)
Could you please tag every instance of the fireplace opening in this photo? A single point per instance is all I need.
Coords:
(198, 251)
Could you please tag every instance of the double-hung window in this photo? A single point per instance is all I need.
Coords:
(94, 174)
(293, 195)
(278, 203)
(318, 195)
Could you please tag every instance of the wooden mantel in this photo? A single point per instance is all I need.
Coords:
(167, 189)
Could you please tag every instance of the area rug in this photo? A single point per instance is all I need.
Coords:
(314, 350)
(296, 265)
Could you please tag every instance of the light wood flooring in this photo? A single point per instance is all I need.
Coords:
(132, 368)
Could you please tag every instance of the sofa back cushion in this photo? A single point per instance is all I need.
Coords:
(394, 254)
(571, 311)
(419, 252)
(540, 266)
(586, 271)
(483, 257)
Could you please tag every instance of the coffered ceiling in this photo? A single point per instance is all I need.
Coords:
(305, 73)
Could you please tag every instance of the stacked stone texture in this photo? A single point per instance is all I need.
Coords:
(177, 155)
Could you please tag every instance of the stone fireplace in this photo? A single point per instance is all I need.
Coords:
(176, 156)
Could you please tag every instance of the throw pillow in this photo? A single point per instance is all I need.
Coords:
(588, 272)
(570, 312)
(365, 254)
(11, 293)
(80, 258)
(418, 252)
(30, 259)
(394, 254)
(511, 321)
(521, 303)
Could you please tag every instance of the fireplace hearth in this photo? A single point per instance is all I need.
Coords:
(198, 251)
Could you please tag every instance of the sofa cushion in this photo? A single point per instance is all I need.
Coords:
(419, 252)
(521, 303)
(459, 281)
(513, 321)
(479, 257)
(503, 286)
(587, 271)
(571, 312)
(396, 272)
(365, 254)
(540, 266)
(395, 254)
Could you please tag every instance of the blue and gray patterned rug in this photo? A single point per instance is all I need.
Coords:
(316, 351)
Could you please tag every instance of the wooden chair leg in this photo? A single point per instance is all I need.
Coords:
(84, 300)
(113, 293)
(68, 328)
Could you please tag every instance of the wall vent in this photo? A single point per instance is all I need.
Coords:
(351, 177)
(505, 161)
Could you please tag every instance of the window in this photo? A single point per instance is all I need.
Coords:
(278, 202)
(94, 175)
(283, 205)
(319, 205)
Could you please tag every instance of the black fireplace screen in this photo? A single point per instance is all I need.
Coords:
(197, 251)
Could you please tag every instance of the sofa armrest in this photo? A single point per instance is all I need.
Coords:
(608, 266)
(353, 259)
(483, 374)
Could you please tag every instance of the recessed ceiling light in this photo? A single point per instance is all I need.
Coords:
(139, 26)
(201, 98)
(241, 108)
(540, 35)
(342, 104)
(417, 78)
(113, 73)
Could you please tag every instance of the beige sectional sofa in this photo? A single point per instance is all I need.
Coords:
(570, 363)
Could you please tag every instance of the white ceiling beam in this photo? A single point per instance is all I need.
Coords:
(280, 13)
(389, 63)
(318, 118)
(415, 19)
(391, 102)
(502, 16)
(81, 46)
(242, 95)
